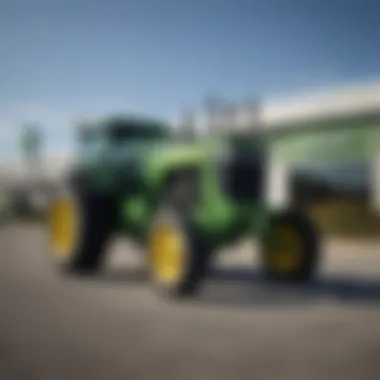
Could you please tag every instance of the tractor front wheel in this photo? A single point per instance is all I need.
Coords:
(178, 254)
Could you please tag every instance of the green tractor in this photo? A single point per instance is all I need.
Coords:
(181, 199)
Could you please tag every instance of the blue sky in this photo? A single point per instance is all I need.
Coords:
(63, 60)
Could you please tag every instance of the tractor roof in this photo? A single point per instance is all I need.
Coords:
(133, 122)
(127, 125)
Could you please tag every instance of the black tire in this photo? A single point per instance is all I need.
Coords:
(95, 223)
(197, 254)
(306, 265)
(179, 198)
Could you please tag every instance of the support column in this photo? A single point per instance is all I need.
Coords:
(278, 182)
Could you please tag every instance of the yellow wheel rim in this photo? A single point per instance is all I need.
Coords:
(168, 252)
(63, 227)
(285, 253)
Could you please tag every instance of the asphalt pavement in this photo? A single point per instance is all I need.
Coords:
(114, 327)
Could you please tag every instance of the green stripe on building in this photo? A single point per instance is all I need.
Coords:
(336, 141)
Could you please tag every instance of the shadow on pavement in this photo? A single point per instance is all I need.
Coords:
(244, 288)
(122, 277)
(240, 287)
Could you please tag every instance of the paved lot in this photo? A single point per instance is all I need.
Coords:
(239, 328)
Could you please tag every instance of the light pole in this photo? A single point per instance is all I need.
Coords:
(213, 106)
(31, 151)
(254, 113)
(187, 124)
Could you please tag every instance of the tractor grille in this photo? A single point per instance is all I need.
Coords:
(243, 178)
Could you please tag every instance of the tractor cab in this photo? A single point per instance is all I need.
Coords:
(117, 138)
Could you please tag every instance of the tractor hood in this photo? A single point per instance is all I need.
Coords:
(168, 157)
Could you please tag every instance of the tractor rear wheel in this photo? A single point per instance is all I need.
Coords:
(79, 228)
(291, 249)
